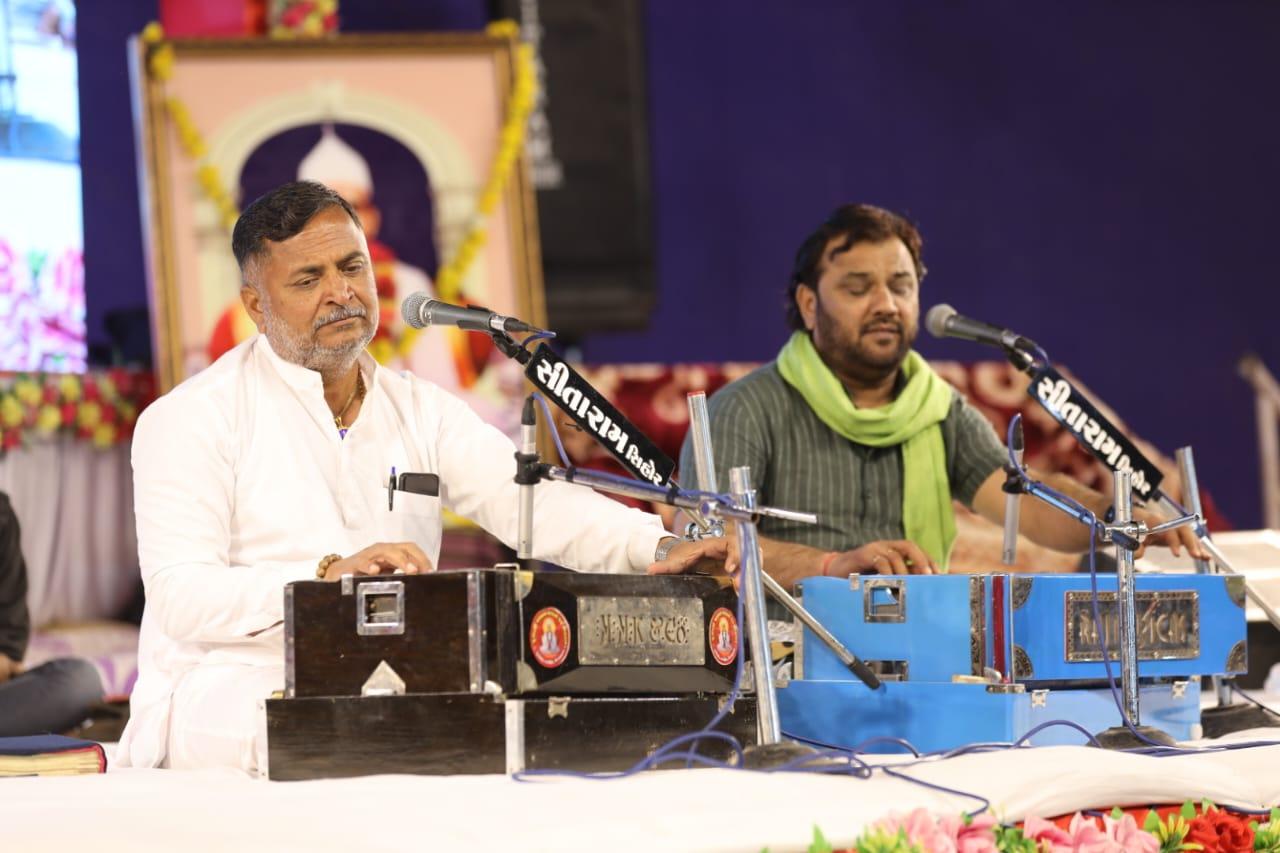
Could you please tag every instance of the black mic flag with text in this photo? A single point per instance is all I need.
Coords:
(592, 412)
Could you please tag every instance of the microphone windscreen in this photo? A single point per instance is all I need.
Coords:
(411, 308)
(936, 320)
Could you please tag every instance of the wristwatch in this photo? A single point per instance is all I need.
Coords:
(664, 547)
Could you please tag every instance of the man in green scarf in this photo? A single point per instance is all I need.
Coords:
(852, 424)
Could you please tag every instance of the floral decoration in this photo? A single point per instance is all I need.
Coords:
(302, 18)
(1205, 827)
(99, 407)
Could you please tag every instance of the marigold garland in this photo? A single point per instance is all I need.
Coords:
(450, 276)
(510, 141)
(100, 407)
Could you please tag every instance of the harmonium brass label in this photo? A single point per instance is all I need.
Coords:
(641, 630)
(1168, 625)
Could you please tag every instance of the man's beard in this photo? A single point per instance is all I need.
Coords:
(310, 353)
(848, 355)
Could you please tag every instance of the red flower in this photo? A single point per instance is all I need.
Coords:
(11, 439)
(295, 15)
(331, 22)
(144, 388)
(50, 394)
(68, 414)
(90, 390)
(1221, 832)
(109, 414)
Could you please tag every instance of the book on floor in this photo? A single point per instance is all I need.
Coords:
(50, 755)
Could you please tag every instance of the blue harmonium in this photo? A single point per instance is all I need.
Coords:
(970, 658)
(1026, 628)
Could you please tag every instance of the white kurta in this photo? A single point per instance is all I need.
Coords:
(242, 484)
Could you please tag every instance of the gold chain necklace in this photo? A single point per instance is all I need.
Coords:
(356, 391)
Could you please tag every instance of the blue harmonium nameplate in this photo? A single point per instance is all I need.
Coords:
(1187, 625)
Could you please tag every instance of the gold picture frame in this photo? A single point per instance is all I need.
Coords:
(442, 96)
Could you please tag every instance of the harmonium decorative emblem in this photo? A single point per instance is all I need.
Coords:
(499, 670)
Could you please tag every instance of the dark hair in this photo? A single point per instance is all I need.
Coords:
(857, 223)
(281, 214)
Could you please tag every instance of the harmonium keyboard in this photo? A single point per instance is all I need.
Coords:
(501, 670)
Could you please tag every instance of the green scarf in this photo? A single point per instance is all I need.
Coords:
(912, 420)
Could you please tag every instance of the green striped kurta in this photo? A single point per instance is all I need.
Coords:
(798, 462)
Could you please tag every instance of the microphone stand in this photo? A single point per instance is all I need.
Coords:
(1127, 535)
(1012, 489)
(708, 512)
(704, 462)
(526, 477)
(771, 749)
(1026, 362)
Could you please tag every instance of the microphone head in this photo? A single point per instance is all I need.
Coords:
(936, 320)
(411, 309)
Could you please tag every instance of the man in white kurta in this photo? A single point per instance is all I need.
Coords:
(244, 483)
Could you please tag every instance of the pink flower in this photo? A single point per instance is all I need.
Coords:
(1047, 836)
(1087, 837)
(1126, 836)
(978, 836)
(921, 830)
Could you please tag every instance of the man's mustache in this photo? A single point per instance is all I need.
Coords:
(881, 325)
(343, 313)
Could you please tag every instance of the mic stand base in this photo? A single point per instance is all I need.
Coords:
(1225, 719)
(768, 755)
(1121, 737)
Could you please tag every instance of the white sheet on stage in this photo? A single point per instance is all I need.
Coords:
(144, 810)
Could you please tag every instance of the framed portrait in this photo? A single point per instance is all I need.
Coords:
(405, 127)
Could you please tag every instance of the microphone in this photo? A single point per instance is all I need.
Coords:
(943, 321)
(420, 311)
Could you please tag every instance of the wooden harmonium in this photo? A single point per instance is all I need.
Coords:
(505, 631)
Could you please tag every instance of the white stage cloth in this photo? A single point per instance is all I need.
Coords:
(712, 810)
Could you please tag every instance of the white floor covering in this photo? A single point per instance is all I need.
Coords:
(708, 809)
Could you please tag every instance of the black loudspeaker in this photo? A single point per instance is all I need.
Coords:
(588, 150)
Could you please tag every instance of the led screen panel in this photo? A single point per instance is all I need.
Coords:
(42, 314)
